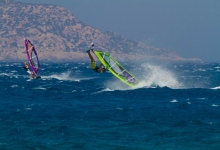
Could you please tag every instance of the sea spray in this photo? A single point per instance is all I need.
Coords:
(158, 76)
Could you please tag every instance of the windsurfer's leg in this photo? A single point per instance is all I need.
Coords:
(32, 75)
(90, 56)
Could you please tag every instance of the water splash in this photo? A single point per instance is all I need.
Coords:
(216, 88)
(62, 76)
(157, 76)
(150, 76)
(116, 84)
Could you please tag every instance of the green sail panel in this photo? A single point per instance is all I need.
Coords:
(116, 68)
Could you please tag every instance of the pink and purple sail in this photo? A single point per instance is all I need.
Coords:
(32, 57)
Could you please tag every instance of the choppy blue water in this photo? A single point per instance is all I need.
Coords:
(175, 107)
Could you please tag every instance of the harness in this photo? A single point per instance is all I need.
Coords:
(26, 69)
(96, 69)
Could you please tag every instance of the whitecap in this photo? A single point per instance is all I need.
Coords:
(173, 101)
(5, 74)
(14, 86)
(28, 108)
(11, 75)
(214, 105)
(119, 108)
(40, 88)
(216, 88)
(116, 84)
(104, 90)
(62, 76)
(107, 89)
(202, 98)
(200, 69)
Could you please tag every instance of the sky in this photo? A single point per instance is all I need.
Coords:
(190, 28)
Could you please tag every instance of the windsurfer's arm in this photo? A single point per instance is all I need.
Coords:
(28, 71)
(101, 68)
(92, 46)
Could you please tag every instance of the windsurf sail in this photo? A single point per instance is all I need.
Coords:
(32, 57)
(116, 68)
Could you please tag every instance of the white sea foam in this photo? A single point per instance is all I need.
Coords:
(5, 74)
(119, 108)
(116, 84)
(214, 105)
(28, 108)
(107, 89)
(201, 69)
(40, 88)
(104, 90)
(174, 101)
(63, 76)
(157, 76)
(14, 86)
(216, 88)
(11, 75)
(69, 76)
(202, 98)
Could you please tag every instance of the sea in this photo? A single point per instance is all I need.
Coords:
(175, 106)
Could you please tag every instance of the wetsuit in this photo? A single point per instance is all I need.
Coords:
(27, 69)
(96, 69)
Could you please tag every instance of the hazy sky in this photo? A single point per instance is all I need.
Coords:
(191, 28)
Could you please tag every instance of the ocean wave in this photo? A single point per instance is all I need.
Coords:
(174, 101)
(216, 88)
(214, 105)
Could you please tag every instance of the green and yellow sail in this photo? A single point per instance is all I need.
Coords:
(116, 68)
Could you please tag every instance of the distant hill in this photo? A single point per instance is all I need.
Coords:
(58, 35)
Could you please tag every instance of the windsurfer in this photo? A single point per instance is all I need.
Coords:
(26, 67)
(94, 67)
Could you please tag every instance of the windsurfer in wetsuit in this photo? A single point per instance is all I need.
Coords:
(26, 67)
(94, 67)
